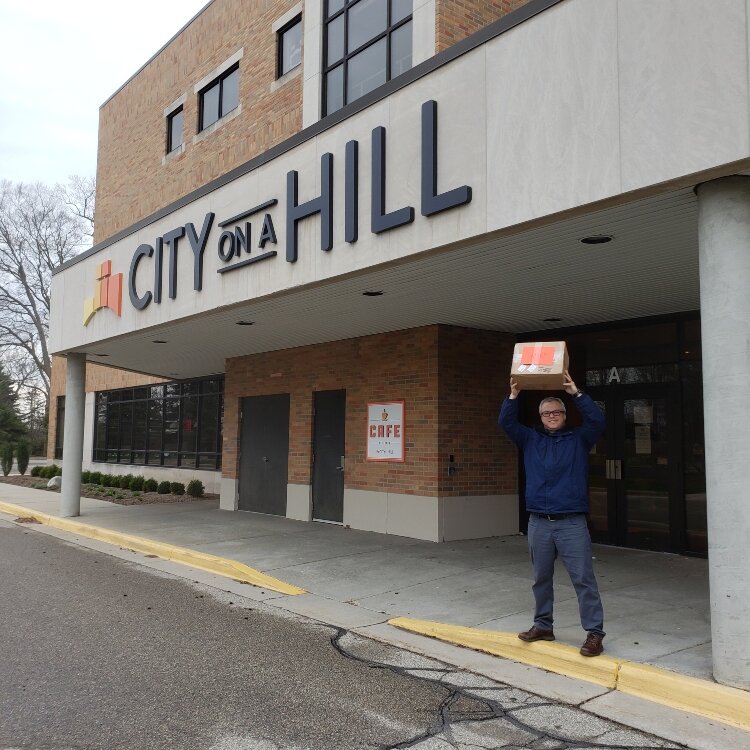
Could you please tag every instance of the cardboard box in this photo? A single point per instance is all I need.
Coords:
(540, 365)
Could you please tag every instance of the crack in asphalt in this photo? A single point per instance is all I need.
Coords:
(442, 732)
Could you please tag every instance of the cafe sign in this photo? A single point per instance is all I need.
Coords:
(385, 431)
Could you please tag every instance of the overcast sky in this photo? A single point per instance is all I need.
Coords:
(59, 61)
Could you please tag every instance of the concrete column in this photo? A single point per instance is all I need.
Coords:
(75, 408)
(724, 254)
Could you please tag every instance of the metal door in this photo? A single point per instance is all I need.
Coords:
(328, 456)
(264, 454)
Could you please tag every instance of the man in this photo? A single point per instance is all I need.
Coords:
(555, 457)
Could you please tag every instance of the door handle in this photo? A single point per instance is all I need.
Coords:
(342, 464)
(265, 459)
(613, 468)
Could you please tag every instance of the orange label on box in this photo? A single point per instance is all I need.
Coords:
(538, 355)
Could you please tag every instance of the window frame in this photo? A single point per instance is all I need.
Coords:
(218, 81)
(112, 401)
(170, 147)
(343, 62)
(280, 73)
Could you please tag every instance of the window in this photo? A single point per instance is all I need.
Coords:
(174, 130)
(177, 424)
(290, 46)
(219, 98)
(60, 427)
(367, 42)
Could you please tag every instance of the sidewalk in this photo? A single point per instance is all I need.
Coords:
(656, 605)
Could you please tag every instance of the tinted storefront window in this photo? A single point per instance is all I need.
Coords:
(177, 424)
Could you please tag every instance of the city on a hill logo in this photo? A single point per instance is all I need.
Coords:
(108, 292)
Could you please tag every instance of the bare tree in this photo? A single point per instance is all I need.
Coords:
(41, 227)
(80, 195)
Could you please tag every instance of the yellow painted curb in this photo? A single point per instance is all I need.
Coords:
(554, 657)
(719, 702)
(210, 563)
(726, 704)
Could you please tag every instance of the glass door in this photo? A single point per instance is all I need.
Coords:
(635, 469)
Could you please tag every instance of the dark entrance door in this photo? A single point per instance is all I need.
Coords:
(635, 474)
(328, 456)
(264, 454)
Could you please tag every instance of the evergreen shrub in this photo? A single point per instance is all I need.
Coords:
(136, 483)
(22, 457)
(195, 488)
(150, 485)
(164, 488)
(6, 458)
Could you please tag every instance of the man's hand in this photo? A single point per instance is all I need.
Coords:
(514, 389)
(570, 387)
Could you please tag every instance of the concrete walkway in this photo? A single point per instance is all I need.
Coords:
(656, 605)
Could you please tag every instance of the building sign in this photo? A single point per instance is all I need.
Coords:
(385, 431)
(612, 376)
(239, 243)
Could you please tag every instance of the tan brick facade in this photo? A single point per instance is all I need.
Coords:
(133, 177)
(457, 19)
(450, 378)
(132, 181)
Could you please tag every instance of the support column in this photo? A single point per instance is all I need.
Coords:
(724, 254)
(75, 408)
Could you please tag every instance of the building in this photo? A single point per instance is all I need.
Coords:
(321, 227)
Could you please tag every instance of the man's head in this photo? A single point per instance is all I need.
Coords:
(552, 412)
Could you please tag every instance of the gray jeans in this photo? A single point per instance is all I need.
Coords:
(569, 538)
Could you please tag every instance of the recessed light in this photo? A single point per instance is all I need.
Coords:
(101, 355)
(159, 341)
(245, 322)
(553, 320)
(372, 293)
(597, 239)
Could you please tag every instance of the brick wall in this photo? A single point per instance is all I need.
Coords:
(98, 378)
(401, 365)
(452, 381)
(472, 382)
(457, 19)
(132, 182)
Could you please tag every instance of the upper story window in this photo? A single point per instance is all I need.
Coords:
(219, 98)
(174, 129)
(290, 46)
(367, 42)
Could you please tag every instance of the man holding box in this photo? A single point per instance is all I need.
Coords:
(556, 461)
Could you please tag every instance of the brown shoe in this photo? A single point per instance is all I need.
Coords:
(536, 634)
(592, 646)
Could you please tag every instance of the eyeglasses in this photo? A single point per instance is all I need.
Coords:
(555, 413)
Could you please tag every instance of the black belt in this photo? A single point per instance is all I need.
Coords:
(555, 516)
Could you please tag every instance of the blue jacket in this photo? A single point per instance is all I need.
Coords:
(556, 463)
